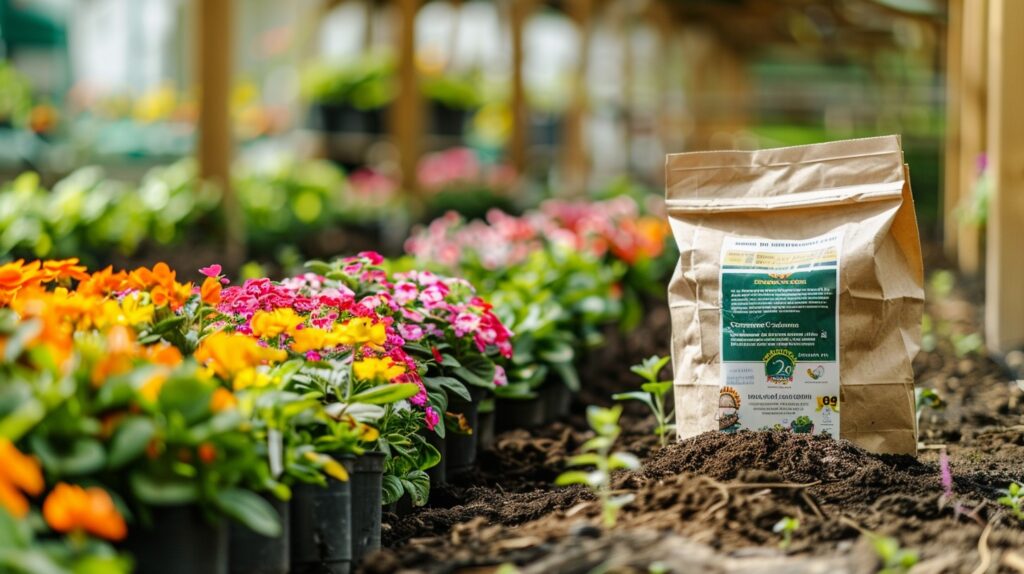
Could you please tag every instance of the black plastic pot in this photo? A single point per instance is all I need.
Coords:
(518, 414)
(556, 397)
(321, 528)
(485, 425)
(367, 471)
(180, 539)
(252, 553)
(437, 472)
(461, 448)
(446, 120)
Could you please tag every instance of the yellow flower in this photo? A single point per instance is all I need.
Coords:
(373, 369)
(360, 331)
(151, 388)
(272, 324)
(311, 339)
(229, 354)
(222, 400)
(133, 312)
(251, 378)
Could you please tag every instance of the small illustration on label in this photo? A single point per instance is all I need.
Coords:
(816, 372)
(779, 365)
(802, 425)
(728, 410)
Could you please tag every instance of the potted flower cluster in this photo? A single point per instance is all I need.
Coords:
(557, 276)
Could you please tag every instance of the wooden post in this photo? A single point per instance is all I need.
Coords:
(519, 11)
(951, 178)
(407, 114)
(575, 163)
(1004, 305)
(215, 27)
(972, 128)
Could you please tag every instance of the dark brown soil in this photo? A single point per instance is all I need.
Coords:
(718, 496)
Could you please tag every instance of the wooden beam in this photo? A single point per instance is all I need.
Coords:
(214, 39)
(575, 165)
(972, 128)
(1004, 305)
(954, 85)
(407, 113)
(519, 12)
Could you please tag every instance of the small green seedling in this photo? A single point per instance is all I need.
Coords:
(927, 399)
(895, 560)
(597, 453)
(1014, 499)
(786, 527)
(652, 394)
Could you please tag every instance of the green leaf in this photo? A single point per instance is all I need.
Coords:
(83, 456)
(558, 352)
(160, 491)
(476, 370)
(130, 440)
(429, 456)
(449, 385)
(567, 371)
(623, 460)
(635, 396)
(417, 484)
(659, 388)
(386, 394)
(585, 459)
(249, 509)
(392, 489)
(571, 477)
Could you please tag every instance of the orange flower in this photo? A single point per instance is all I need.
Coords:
(210, 291)
(222, 400)
(73, 508)
(56, 270)
(18, 473)
(207, 453)
(14, 276)
(103, 282)
(162, 354)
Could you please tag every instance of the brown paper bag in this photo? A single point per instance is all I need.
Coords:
(798, 296)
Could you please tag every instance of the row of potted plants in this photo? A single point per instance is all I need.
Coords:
(160, 403)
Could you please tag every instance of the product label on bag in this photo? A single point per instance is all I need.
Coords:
(780, 336)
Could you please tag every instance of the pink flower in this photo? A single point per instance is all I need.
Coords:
(410, 332)
(374, 257)
(465, 323)
(432, 296)
(431, 417)
(313, 356)
(414, 316)
(405, 292)
(211, 271)
(500, 378)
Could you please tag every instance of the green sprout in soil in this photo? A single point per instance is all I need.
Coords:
(652, 393)
(597, 453)
(895, 560)
(1014, 499)
(786, 527)
(927, 399)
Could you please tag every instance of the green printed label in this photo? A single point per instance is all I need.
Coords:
(780, 347)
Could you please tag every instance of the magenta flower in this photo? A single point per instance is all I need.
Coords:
(405, 292)
(374, 257)
(211, 271)
(431, 417)
(432, 296)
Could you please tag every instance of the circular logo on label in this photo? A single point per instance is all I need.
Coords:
(779, 365)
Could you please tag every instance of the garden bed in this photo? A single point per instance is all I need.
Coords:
(714, 500)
